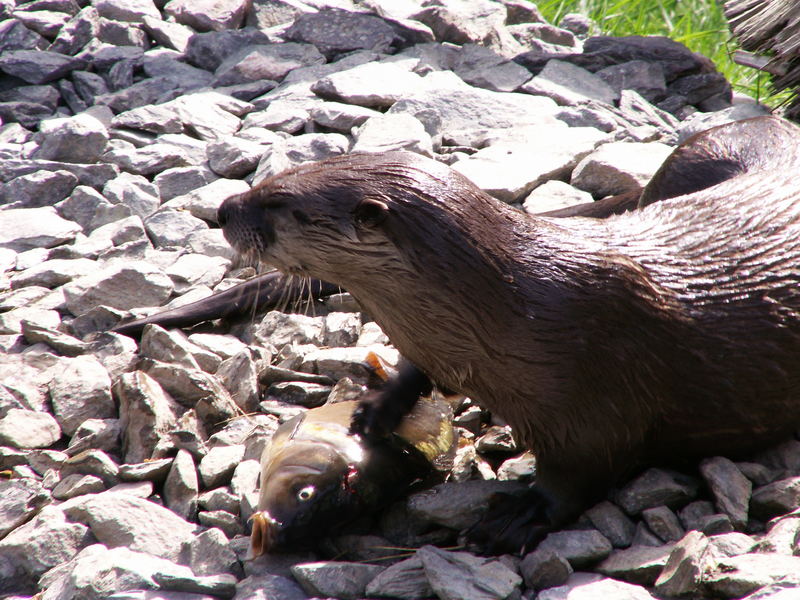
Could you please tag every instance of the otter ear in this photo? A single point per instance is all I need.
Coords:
(370, 212)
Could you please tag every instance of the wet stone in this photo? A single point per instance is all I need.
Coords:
(612, 523)
(730, 487)
(637, 564)
(656, 487)
(580, 547)
(663, 522)
(776, 498)
(28, 429)
(545, 568)
(463, 576)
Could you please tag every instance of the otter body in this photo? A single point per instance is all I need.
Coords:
(670, 331)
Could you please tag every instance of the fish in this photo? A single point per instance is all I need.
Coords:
(317, 476)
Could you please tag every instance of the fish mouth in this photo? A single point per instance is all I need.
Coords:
(265, 533)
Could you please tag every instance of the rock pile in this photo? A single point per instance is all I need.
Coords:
(129, 469)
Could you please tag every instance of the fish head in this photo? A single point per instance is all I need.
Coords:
(306, 489)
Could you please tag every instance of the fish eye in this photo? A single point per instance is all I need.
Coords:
(305, 494)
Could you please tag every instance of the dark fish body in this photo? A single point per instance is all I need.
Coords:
(316, 476)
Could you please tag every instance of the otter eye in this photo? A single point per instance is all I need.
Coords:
(305, 494)
(301, 217)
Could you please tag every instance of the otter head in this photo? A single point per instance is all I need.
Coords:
(354, 213)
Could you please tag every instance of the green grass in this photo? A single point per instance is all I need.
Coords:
(698, 24)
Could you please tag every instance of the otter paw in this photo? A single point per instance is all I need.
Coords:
(514, 523)
(375, 418)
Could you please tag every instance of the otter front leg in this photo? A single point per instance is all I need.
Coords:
(516, 523)
(378, 416)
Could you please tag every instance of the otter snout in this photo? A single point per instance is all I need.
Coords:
(246, 226)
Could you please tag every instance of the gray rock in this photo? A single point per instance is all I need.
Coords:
(464, 576)
(148, 160)
(154, 118)
(509, 170)
(619, 167)
(344, 362)
(25, 228)
(154, 470)
(44, 542)
(278, 117)
(77, 485)
(92, 462)
(119, 519)
(11, 321)
(36, 190)
(207, 15)
(686, 565)
(405, 579)
(218, 465)
(449, 111)
(580, 547)
(544, 568)
(203, 202)
(22, 428)
(233, 156)
(335, 579)
(341, 117)
(15, 36)
(373, 85)
(734, 543)
(52, 273)
(393, 132)
(737, 576)
(463, 21)
(457, 505)
(569, 85)
(663, 522)
(226, 522)
(496, 438)
(266, 62)
(19, 499)
(638, 564)
(193, 387)
(730, 487)
(612, 523)
(239, 375)
(336, 32)
(647, 78)
(181, 486)
(269, 587)
(80, 390)
(220, 499)
(99, 571)
(90, 209)
(147, 414)
(38, 66)
(309, 395)
(210, 554)
(127, 10)
(102, 434)
(167, 34)
(186, 76)
(169, 346)
(776, 498)
(171, 228)
(123, 286)
(178, 181)
(590, 586)
(702, 121)
(92, 175)
(133, 191)
(209, 50)
(78, 139)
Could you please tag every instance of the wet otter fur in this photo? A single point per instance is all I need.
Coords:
(668, 332)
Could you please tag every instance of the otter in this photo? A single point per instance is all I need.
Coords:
(669, 332)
